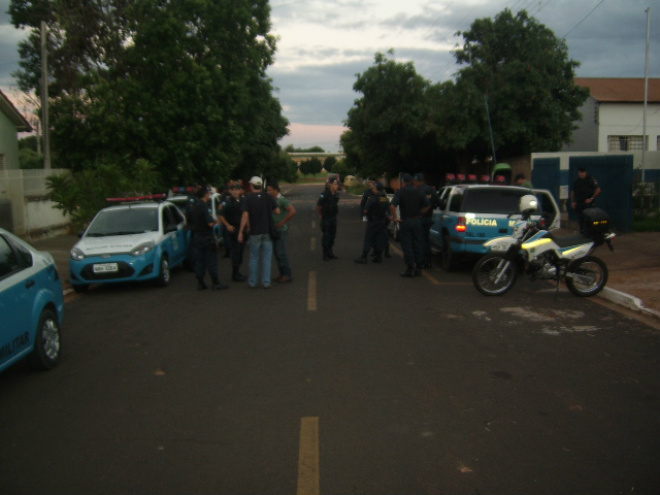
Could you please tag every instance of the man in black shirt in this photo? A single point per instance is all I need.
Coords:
(412, 205)
(328, 207)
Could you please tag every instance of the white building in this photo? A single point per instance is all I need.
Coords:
(612, 116)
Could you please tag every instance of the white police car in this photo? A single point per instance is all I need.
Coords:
(137, 239)
(31, 304)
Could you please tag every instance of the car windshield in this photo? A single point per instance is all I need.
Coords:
(492, 200)
(124, 221)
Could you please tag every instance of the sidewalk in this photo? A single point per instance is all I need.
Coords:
(634, 268)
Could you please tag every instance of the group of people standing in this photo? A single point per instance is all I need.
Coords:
(262, 216)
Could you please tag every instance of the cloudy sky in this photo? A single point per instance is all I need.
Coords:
(323, 44)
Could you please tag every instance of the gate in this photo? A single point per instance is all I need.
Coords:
(545, 175)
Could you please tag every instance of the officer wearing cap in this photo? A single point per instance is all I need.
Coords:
(206, 253)
(328, 207)
(412, 205)
(427, 218)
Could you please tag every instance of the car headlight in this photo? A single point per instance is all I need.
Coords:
(142, 249)
(77, 254)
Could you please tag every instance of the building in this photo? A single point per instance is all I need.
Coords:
(11, 123)
(612, 116)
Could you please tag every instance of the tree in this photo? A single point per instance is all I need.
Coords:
(181, 84)
(388, 122)
(524, 72)
(311, 167)
(329, 163)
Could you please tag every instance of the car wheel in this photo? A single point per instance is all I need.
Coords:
(47, 342)
(165, 274)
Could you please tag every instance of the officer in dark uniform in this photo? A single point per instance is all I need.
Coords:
(377, 211)
(427, 218)
(204, 243)
(584, 193)
(328, 207)
(230, 216)
(412, 204)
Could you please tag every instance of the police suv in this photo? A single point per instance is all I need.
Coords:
(470, 214)
(31, 304)
(136, 239)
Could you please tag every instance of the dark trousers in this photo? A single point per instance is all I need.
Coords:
(375, 237)
(237, 249)
(206, 256)
(411, 235)
(427, 222)
(329, 229)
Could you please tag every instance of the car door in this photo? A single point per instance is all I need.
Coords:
(176, 223)
(17, 292)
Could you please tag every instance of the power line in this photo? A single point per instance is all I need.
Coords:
(583, 19)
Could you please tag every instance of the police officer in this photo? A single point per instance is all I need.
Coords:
(377, 211)
(427, 218)
(205, 247)
(230, 216)
(584, 193)
(412, 204)
(328, 207)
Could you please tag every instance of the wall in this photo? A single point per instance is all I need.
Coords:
(8, 143)
(32, 214)
(621, 119)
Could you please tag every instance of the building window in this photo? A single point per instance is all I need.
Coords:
(624, 143)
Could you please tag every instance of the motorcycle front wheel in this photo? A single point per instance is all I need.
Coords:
(494, 275)
(587, 276)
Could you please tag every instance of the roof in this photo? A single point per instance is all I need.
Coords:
(8, 108)
(620, 90)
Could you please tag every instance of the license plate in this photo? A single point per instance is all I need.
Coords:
(106, 268)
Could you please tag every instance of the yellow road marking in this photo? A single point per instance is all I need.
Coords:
(308, 457)
(430, 277)
(312, 243)
(311, 292)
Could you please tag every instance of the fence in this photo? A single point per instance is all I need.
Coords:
(25, 208)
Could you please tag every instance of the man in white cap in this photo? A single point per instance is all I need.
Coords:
(255, 221)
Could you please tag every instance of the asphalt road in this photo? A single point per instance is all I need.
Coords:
(351, 379)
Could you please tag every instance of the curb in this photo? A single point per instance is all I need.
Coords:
(628, 301)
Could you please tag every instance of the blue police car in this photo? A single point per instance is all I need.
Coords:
(31, 304)
(135, 240)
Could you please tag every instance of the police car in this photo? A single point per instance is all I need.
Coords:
(136, 239)
(31, 304)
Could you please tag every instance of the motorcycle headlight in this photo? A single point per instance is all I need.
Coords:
(77, 254)
(142, 249)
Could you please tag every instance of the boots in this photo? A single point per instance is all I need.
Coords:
(326, 254)
(331, 253)
(362, 259)
(410, 272)
(378, 257)
(236, 276)
(200, 284)
(217, 285)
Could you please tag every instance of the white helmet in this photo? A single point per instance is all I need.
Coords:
(528, 203)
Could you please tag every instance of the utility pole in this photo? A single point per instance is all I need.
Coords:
(645, 141)
(44, 95)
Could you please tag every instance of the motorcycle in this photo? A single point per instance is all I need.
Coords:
(540, 255)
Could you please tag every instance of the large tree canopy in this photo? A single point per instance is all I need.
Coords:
(388, 122)
(181, 83)
(516, 74)
(524, 71)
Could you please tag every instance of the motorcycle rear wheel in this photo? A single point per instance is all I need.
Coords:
(494, 275)
(587, 276)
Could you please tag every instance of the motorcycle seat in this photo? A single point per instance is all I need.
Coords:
(571, 240)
